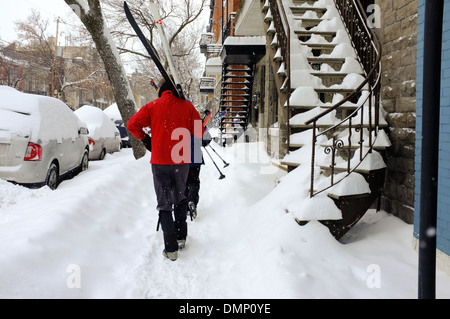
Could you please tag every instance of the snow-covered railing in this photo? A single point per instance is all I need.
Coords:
(368, 47)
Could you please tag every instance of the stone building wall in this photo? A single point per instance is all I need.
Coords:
(398, 34)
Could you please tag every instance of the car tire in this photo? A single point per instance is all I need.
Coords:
(84, 165)
(52, 179)
(102, 154)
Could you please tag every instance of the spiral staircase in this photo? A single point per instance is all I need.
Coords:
(327, 60)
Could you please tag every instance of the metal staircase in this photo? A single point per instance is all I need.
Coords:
(239, 56)
(334, 107)
(235, 98)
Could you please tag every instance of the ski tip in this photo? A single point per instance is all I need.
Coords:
(126, 8)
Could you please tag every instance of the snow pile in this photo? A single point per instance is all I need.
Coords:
(95, 237)
(304, 95)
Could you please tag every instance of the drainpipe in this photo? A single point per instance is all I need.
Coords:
(430, 147)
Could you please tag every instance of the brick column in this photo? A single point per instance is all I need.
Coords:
(398, 34)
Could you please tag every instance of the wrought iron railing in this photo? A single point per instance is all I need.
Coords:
(367, 45)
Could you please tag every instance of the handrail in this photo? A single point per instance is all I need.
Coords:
(368, 46)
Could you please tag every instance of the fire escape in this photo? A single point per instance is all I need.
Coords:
(239, 56)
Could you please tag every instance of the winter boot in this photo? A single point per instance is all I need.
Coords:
(192, 209)
(172, 256)
(181, 243)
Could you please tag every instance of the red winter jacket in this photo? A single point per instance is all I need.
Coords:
(172, 122)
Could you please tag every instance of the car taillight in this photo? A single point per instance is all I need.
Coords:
(91, 142)
(34, 152)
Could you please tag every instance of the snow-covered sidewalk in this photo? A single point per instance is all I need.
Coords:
(95, 237)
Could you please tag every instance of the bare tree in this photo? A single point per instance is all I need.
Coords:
(90, 14)
(35, 47)
(180, 20)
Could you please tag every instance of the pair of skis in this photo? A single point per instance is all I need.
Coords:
(173, 81)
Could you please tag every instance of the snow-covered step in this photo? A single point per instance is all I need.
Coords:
(327, 94)
(372, 161)
(234, 76)
(301, 10)
(227, 82)
(319, 49)
(235, 124)
(317, 62)
(243, 69)
(234, 112)
(244, 88)
(341, 169)
(234, 95)
(303, 2)
(308, 23)
(345, 106)
(354, 147)
(330, 78)
(237, 117)
(381, 143)
(289, 163)
(305, 35)
(325, 125)
(230, 130)
(236, 101)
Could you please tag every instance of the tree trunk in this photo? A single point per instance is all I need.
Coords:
(90, 13)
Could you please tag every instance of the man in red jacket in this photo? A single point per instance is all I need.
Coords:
(172, 122)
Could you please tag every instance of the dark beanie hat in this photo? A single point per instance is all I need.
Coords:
(164, 86)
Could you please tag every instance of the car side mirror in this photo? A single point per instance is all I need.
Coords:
(83, 130)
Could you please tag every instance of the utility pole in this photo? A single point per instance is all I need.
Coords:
(54, 58)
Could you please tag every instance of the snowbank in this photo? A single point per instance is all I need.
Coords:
(95, 237)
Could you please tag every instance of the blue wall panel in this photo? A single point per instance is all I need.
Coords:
(443, 227)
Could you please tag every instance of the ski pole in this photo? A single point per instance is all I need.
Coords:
(226, 164)
(221, 175)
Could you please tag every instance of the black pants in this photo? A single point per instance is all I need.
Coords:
(170, 185)
(193, 184)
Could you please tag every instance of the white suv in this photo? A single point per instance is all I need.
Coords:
(41, 139)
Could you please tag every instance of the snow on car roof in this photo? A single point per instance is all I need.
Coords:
(44, 117)
(97, 121)
(113, 112)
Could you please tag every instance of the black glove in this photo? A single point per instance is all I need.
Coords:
(206, 139)
(147, 140)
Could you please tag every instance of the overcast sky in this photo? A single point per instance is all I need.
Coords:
(14, 10)
(19, 10)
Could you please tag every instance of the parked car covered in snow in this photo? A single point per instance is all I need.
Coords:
(41, 139)
(104, 137)
(124, 138)
(113, 113)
